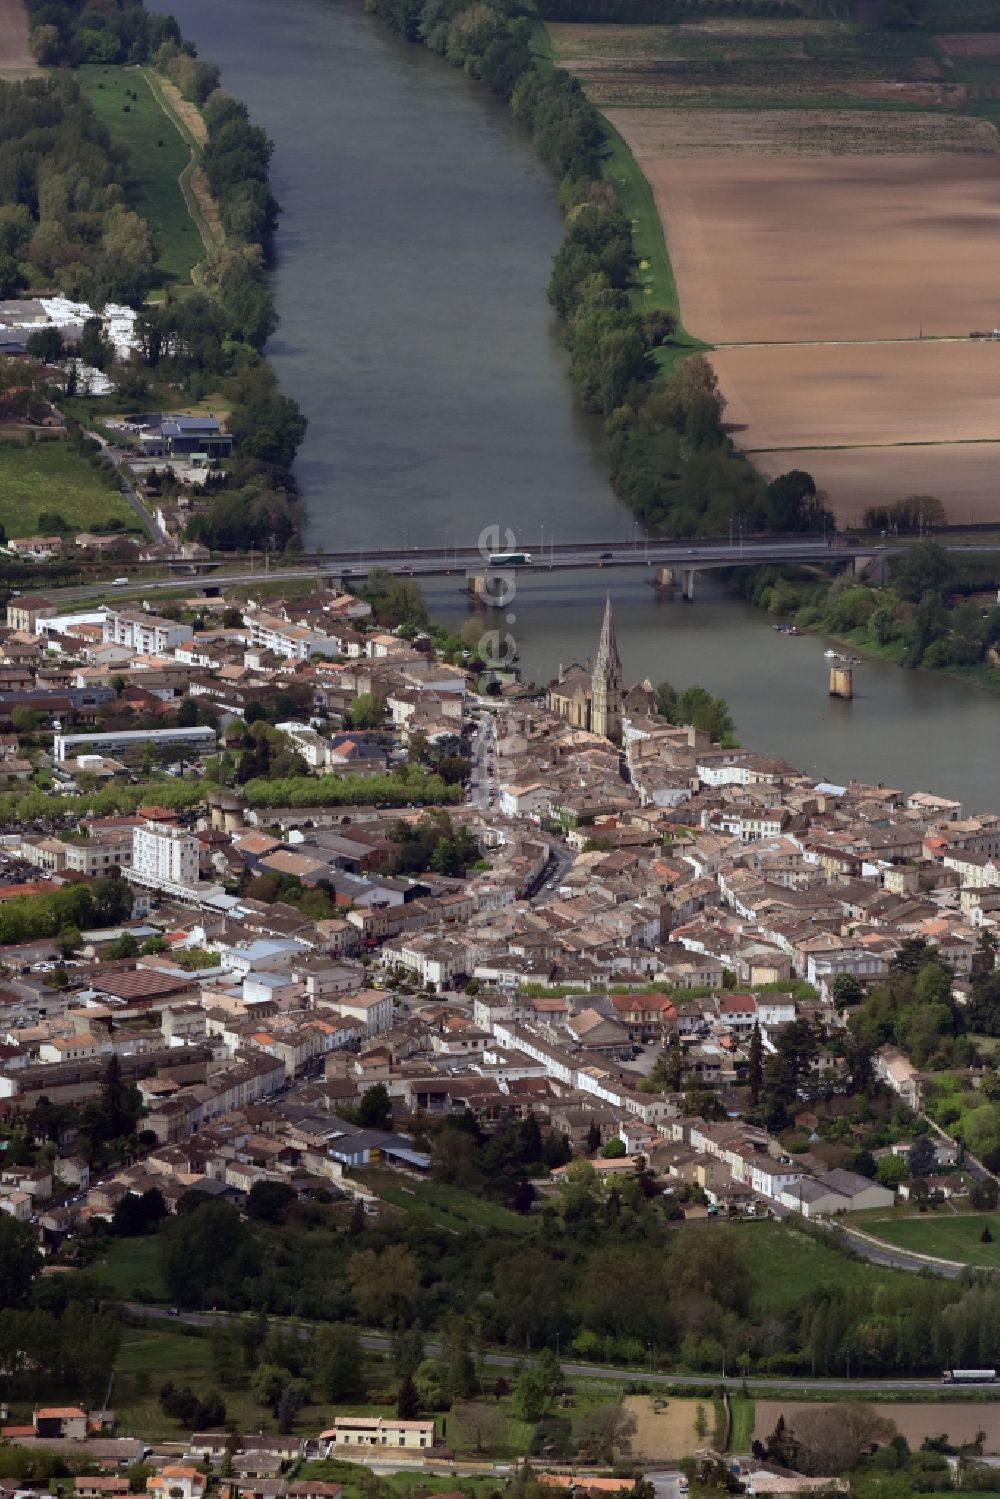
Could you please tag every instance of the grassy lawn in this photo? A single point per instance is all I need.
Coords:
(804, 1263)
(356, 1481)
(158, 155)
(131, 1267)
(48, 475)
(658, 288)
(952, 1236)
(448, 1207)
(151, 1355)
(743, 1419)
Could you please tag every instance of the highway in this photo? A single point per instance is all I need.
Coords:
(378, 1343)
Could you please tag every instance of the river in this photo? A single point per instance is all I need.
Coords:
(416, 239)
(414, 250)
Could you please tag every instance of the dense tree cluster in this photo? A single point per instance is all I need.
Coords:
(64, 216)
(433, 843)
(408, 786)
(617, 1277)
(76, 31)
(101, 903)
(394, 601)
(920, 617)
(696, 705)
(49, 1331)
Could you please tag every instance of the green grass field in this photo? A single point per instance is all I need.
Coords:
(657, 285)
(157, 156)
(151, 1355)
(802, 1263)
(743, 1419)
(944, 1233)
(448, 1207)
(48, 475)
(133, 1267)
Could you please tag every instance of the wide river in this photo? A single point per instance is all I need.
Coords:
(414, 251)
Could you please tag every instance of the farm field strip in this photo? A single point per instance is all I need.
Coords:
(962, 473)
(960, 1422)
(16, 60)
(772, 249)
(880, 395)
(830, 205)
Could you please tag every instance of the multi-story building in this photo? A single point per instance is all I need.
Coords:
(269, 632)
(145, 634)
(199, 739)
(164, 856)
(101, 853)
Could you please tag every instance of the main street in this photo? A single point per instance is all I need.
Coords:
(379, 1343)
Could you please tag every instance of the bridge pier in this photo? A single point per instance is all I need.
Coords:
(688, 590)
(664, 578)
(841, 682)
(874, 568)
(493, 590)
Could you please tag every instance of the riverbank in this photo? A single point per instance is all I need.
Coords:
(929, 611)
(672, 460)
(199, 245)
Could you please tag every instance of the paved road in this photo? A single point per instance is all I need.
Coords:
(378, 1343)
(898, 1259)
(135, 499)
(482, 778)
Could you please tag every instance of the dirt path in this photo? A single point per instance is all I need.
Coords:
(16, 60)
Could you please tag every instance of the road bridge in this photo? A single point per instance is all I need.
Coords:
(669, 563)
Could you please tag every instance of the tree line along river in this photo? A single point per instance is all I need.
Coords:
(413, 255)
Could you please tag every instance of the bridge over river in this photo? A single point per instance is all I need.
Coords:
(676, 563)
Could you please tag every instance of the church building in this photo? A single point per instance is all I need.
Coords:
(592, 697)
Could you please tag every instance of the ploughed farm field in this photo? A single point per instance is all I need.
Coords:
(16, 60)
(861, 395)
(830, 198)
(962, 475)
(959, 1421)
(772, 248)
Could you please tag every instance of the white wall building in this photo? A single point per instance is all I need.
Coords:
(144, 634)
(164, 855)
(269, 632)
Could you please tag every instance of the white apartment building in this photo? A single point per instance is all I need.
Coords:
(373, 1007)
(313, 748)
(144, 634)
(269, 632)
(164, 856)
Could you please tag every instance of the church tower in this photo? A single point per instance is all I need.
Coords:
(606, 709)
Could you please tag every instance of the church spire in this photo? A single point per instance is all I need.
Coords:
(607, 650)
(606, 682)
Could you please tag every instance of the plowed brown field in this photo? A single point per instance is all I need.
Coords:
(837, 410)
(16, 60)
(972, 44)
(863, 247)
(809, 395)
(915, 1422)
(962, 475)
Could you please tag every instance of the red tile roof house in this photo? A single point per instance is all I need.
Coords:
(107, 1486)
(177, 1476)
(60, 1421)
